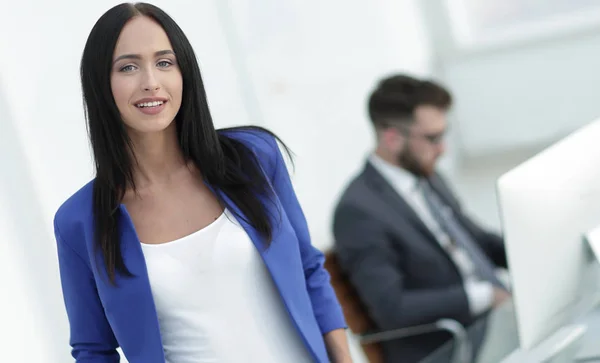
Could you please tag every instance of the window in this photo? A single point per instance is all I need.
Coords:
(476, 21)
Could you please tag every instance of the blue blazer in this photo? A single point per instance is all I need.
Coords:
(103, 317)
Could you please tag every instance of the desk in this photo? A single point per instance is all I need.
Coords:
(590, 348)
(502, 344)
(585, 348)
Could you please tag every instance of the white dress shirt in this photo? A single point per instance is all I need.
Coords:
(480, 294)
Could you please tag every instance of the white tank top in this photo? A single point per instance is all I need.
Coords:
(217, 303)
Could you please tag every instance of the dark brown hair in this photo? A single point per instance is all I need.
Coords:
(396, 98)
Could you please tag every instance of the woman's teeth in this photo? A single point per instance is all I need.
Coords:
(150, 104)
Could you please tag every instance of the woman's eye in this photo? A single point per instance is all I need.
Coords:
(127, 68)
(164, 64)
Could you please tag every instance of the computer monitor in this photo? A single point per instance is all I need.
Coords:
(547, 205)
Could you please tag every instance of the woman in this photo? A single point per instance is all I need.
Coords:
(190, 244)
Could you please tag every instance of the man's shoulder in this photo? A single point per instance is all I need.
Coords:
(355, 193)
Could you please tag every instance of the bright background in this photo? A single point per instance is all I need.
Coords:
(524, 74)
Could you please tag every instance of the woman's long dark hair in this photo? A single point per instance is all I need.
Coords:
(225, 163)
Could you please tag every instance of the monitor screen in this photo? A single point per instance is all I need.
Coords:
(547, 204)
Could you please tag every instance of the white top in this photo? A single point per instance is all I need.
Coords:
(480, 294)
(216, 301)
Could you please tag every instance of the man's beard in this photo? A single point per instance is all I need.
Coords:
(408, 160)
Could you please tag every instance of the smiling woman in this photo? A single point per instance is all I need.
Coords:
(189, 240)
(145, 81)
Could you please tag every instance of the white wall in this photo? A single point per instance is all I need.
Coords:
(516, 92)
(311, 69)
(524, 95)
(29, 284)
(302, 70)
(475, 182)
(525, 87)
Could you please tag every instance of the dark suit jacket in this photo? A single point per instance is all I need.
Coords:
(400, 271)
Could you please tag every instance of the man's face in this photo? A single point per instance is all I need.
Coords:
(423, 141)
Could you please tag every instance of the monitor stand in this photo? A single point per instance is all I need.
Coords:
(592, 238)
(561, 347)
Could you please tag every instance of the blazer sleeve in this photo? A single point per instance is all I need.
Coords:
(325, 305)
(375, 271)
(92, 339)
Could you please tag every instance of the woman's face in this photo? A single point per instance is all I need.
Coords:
(145, 79)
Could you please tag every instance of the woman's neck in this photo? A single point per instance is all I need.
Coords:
(158, 157)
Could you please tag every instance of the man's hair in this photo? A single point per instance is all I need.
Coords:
(396, 98)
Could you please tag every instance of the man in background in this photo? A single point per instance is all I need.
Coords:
(402, 238)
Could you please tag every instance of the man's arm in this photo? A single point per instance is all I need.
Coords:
(374, 269)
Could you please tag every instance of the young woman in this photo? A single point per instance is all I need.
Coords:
(189, 245)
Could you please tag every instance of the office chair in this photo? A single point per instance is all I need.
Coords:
(360, 324)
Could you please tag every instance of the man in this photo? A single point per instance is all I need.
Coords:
(401, 237)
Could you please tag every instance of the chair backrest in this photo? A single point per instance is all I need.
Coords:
(356, 316)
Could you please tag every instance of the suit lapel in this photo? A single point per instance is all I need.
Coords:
(390, 197)
(438, 186)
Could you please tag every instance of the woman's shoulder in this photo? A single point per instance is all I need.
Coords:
(260, 140)
(253, 136)
(76, 211)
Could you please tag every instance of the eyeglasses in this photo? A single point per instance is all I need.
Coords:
(432, 138)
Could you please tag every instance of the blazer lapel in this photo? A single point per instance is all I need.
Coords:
(130, 306)
(276, 259)
(268, 255)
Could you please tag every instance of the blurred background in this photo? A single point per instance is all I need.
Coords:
(523, 74)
